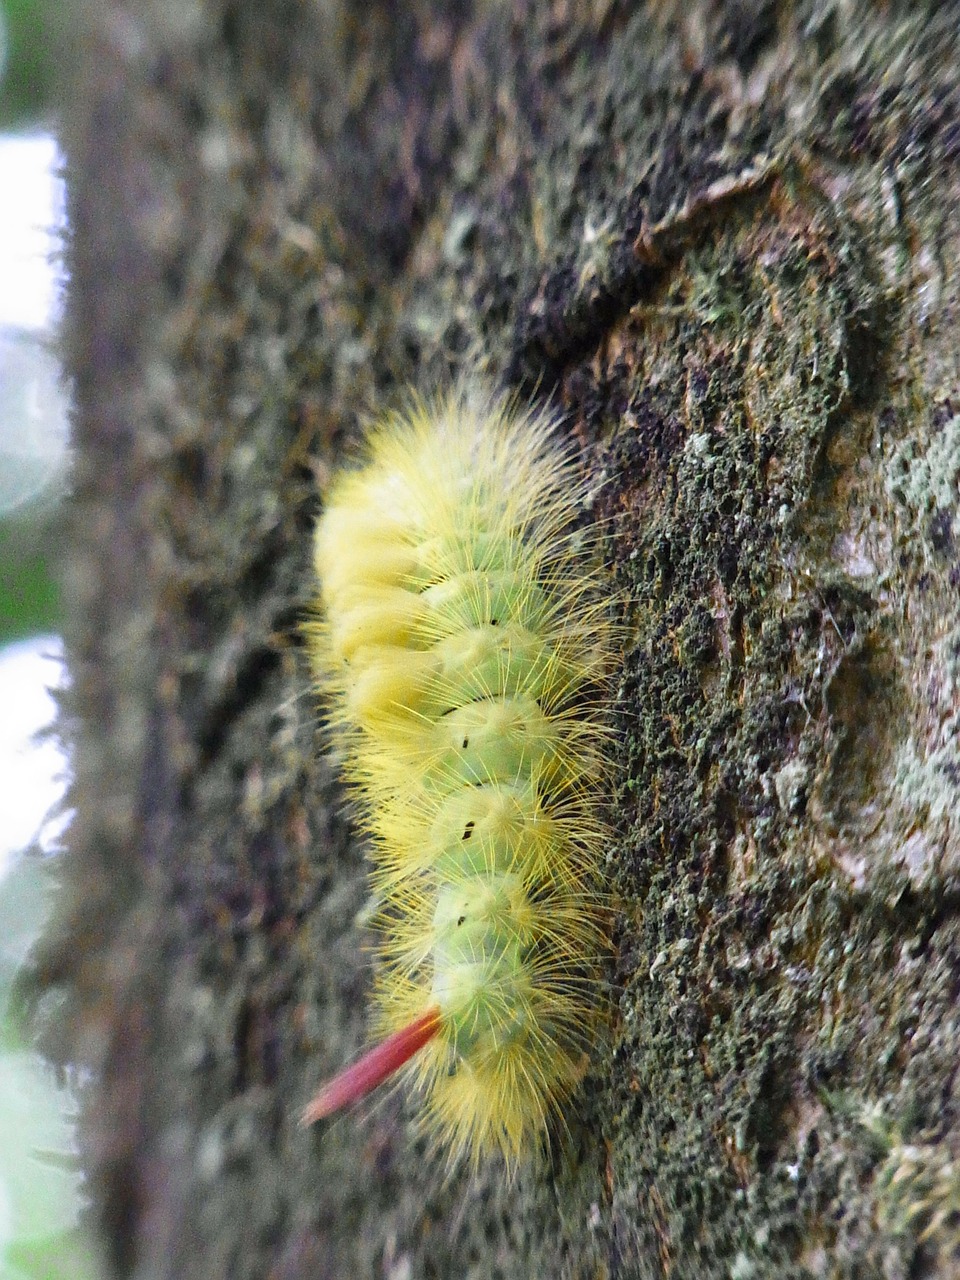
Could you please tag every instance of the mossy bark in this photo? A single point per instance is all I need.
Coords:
(723, 239)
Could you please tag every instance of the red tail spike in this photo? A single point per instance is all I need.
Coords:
(380, 1062)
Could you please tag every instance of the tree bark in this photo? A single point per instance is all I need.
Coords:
(723, 240)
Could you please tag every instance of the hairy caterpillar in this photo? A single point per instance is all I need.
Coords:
(462, 630)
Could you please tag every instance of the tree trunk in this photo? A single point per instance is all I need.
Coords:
(723, 239)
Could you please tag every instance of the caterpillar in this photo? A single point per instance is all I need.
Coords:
(462, 636)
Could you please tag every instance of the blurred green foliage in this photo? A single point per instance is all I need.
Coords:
(29, 602)
(29, 593)
(63, 1256)
(26, 60)
(41, 1196)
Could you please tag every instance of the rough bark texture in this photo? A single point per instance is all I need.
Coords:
(724, 238)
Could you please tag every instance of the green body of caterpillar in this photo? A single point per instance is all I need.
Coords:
(464, 636)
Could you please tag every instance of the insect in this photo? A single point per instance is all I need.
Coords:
(464, 640)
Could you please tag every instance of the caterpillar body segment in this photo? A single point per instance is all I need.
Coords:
(462, 630)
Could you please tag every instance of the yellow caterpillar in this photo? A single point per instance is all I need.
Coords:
(463, 634)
